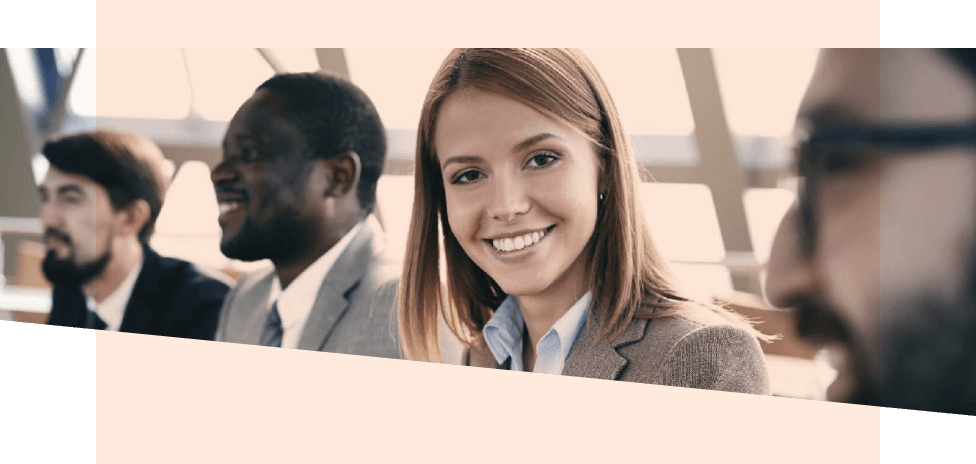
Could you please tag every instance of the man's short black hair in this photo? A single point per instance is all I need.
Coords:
(335, 117)
(128, 166)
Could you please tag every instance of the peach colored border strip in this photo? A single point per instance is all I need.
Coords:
(172, 400)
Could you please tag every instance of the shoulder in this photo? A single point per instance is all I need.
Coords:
(186, 277)
(249, 281)
(700, 348)
(381, 274)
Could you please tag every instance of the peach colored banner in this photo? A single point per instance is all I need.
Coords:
(697, 23)
(172, 400)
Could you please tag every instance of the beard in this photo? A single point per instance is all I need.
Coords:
(65, 272)
(286, 236)
(928, 349)
(817, 323)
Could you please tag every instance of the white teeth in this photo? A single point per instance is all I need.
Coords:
(518, 243)
(228, 206)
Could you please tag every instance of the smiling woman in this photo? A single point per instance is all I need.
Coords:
(522, 161)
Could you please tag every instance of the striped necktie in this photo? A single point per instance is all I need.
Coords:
(273, 331)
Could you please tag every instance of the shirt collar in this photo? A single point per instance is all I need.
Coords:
(503, 332)
(295, 302)
(112, 309)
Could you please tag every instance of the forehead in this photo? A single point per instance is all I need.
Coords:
(845, 85)
(920, 84)
(56, 178)
(890, 86)
(262, 118)
(470, 118)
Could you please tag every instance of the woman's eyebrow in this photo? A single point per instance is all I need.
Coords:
(518, 147)
(463, 159)
(536, 139)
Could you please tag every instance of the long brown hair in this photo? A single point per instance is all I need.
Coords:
(626, 273)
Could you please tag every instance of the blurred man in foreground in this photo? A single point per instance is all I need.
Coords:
(879, 256)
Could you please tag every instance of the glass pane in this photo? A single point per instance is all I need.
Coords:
(704, 282)
(27, 77)
(765, 208)
(396, 80)
(297, 59)
(224, 78)
(65, 58)
(648, 89)
(683, 222)
(394, 197)
(81, 100)
(139, 83)
(761, 92)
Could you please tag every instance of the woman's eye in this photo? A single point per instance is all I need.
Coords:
(466, 177)
(542, 159)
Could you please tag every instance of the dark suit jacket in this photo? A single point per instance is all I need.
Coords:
(171, 297)
(697, 349)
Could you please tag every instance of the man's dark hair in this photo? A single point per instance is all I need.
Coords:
(128, 166)
(335, 117)
(965, 58)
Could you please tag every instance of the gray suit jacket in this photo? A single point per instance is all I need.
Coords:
(354, 313)
(698, 349)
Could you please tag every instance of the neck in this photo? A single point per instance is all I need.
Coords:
(289, 269)
(541, 311)
(126, 255)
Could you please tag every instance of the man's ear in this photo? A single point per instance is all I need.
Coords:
(135, 216)
(343, 174)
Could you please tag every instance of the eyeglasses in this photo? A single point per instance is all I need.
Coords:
(824, 150)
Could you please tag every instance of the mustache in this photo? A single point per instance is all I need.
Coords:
(227, 189)
(50, 233)
(815, 321)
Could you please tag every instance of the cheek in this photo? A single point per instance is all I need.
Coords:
(463, 210)
(572, 197)
(850, 254)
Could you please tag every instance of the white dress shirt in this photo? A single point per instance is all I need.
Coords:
(112, 309)
(295, 302)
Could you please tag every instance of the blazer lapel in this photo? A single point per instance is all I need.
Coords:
(332, 301)
(253, 325)
(601, 360)
(141, 310)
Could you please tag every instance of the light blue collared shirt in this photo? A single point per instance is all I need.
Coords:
(503, 334)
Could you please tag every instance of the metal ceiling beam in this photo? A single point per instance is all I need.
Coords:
(272, 60)
(333, 60)
(56, 113)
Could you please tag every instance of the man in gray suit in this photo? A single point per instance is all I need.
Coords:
(296, 186)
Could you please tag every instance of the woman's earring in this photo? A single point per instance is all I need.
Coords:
(601, 197)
